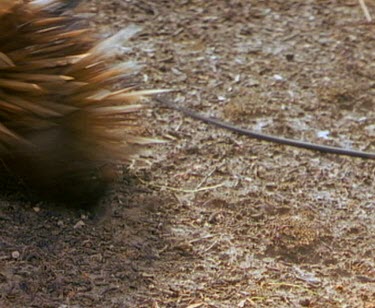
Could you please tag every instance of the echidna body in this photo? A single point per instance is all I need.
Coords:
(61, 124)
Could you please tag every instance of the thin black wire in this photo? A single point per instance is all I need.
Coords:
(266, 137)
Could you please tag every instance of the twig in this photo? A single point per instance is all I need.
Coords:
(365, 10)
(181, 189)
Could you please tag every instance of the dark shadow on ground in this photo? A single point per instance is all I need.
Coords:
(51, 255)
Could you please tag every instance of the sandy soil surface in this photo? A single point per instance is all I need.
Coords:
(213, 219)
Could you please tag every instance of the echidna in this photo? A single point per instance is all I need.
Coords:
(62, 126)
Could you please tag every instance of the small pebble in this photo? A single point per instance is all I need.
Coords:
(79, 224)
(15, 254)
(278, 77)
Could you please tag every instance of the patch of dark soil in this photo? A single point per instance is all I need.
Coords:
(51, 255)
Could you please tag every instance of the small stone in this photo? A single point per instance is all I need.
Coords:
(15, 254)
(278, 77)
(79, 224)
(305, 302)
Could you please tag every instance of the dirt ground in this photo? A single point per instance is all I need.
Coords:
(213, 219)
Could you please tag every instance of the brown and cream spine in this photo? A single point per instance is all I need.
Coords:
(61, 122)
